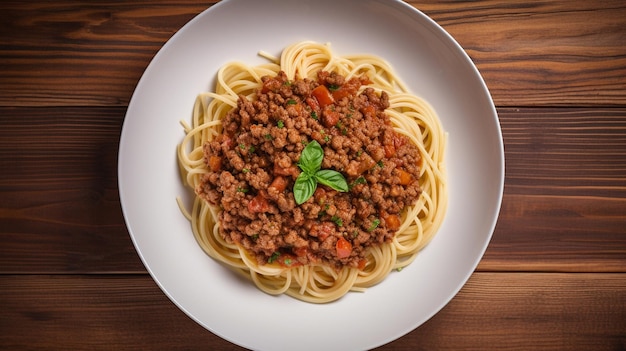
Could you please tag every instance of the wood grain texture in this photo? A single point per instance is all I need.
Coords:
(74, 54)
(541, 53)
(494, 311)
(564, 206)
(60, 209)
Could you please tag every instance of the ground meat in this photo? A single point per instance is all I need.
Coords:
(253, 165)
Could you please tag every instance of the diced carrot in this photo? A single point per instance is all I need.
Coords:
(215, 163)
(392, 222)
(405, 177)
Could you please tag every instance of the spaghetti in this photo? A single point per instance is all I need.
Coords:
(316, 281)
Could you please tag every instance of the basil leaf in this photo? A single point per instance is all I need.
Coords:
(304, 188)
(332, 179)
(311, 157)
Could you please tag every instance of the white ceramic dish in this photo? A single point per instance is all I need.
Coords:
(432, 64)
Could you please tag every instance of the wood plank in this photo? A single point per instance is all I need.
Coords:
(71, 53)
(60, 210)
(529, 311)
(59, 204)
(558, 234)
(564, 206)
(494, 311)
(542, 53)
(537, 53)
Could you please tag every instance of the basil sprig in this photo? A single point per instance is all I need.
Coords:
(310, 163)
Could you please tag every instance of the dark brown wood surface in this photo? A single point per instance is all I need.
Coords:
(553, 276)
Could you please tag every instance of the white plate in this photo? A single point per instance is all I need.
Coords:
(432, 64)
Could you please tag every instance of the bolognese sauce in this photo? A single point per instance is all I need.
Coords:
(253, 165)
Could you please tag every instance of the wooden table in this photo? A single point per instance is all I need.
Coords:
(553, 277)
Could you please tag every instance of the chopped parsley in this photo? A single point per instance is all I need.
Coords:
(374, 225)
(342, 128)
(243, 146)
(359, 180)
(338, 221)
(274, 257)
(280, 124)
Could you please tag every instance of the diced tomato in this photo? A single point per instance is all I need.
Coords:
(330, 117)
(344, 248)
(279, 183)
(362, 264)
(392, 222)
(258, 204)
(405, 177)
(215, 163)
(322, 95)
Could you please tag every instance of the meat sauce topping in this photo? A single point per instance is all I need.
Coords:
(253, 166)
